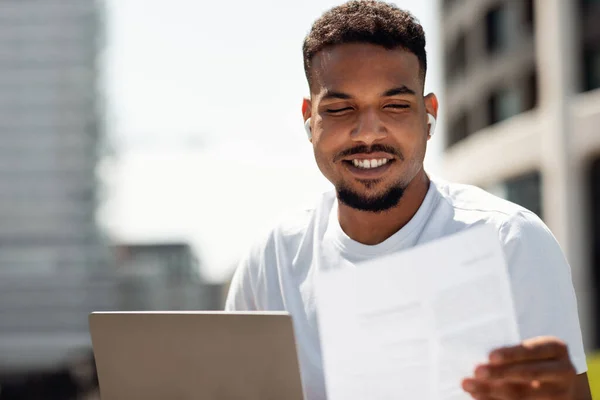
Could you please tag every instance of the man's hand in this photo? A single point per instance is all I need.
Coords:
(539, 368)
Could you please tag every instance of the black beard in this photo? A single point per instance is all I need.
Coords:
(376, 204)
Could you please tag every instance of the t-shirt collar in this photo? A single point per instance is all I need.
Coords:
(348, 245)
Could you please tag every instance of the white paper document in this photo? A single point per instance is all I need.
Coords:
(414, 324)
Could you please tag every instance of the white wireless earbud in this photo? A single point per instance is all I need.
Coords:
(307, 128)
(431, 122)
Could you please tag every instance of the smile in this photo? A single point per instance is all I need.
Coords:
(368, 164)
(372, 168)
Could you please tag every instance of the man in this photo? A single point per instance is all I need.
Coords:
(369, 123)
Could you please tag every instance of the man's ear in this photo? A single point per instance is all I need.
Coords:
(306, 108)
(306, 114)
(431, 108)
(432, 105)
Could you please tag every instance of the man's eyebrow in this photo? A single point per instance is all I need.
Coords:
(329, 94)
(399, 90)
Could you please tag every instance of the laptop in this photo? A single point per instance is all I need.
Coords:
(195, 355)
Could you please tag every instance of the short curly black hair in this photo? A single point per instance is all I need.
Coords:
(366, 21)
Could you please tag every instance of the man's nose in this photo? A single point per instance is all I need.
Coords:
(370, 128)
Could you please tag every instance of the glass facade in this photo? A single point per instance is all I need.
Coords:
(458, 129)
(501, 28)
(457, 59)
(590, 44)
(594, 185)
(530, 14)
(592, 68)
(504, 104)
(524, 190)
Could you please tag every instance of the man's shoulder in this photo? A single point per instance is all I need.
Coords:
(469, 198)
(295, 228)
(520, 230)
(473, 204)
(255, 284)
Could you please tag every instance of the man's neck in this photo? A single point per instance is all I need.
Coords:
(373, 228)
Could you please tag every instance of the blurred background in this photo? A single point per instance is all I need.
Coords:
(144, 144)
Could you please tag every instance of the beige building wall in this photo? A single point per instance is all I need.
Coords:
(559, 138)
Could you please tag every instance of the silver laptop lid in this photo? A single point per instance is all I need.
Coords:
(195, 355)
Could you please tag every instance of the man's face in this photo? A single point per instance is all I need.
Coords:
(369, 122)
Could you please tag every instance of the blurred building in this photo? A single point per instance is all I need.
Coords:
(52, 262)
(163, 276)
(522, 102)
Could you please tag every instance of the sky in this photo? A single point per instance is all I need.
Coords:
(204, 121)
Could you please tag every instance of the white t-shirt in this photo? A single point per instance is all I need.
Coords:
(279, 272)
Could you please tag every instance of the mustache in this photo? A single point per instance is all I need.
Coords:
(364, 149)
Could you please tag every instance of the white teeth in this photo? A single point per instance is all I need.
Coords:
(367, 164)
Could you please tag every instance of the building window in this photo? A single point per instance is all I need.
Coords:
(449, 4)
(526, 191)
(531, 91)
(594, 184)
(457, 58)
(458, 130)
(497, 29)
(530, 14)
(592, 69)
(504, 104)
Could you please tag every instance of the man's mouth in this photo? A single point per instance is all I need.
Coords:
(368, 168)
(368, 164)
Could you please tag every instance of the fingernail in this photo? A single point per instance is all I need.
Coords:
(469, 386)
(482, 372)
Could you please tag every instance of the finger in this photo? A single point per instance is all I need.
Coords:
(540, 348)
(480, 390)
(477, 389)
(543, 371)
(521, 391)
(511, 390)
(547, 391)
